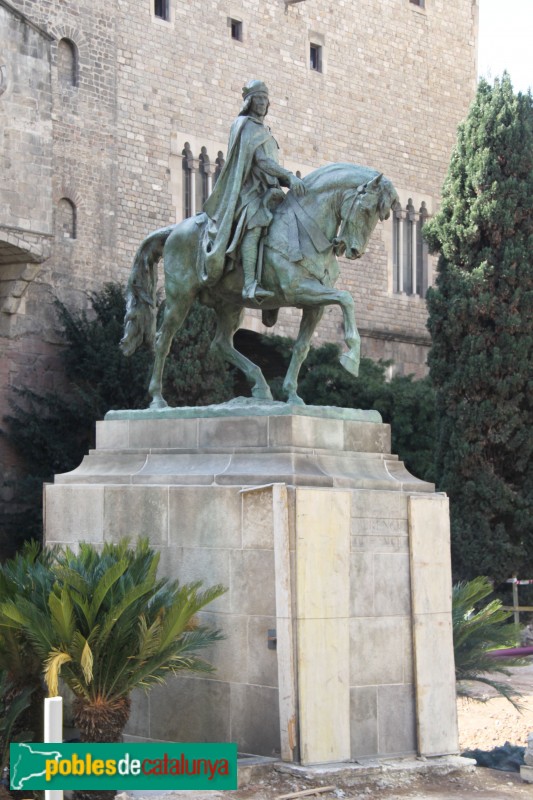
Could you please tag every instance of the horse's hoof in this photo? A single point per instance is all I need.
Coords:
(295, 400)
(262, 394)
(158, 402)
(349, 364)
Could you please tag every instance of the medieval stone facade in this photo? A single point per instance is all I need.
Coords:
(113, 114)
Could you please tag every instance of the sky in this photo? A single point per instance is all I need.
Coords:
(506, 41)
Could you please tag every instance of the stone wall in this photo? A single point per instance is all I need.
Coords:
(93, 146)
(380, 100)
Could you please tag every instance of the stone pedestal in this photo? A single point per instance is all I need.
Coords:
(337, 615)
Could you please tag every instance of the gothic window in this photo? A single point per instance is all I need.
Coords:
(409, 250)
(67, 62)
(199, 176)
(162, 9)
(66, 219)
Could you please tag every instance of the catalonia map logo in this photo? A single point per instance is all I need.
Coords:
(123, 766)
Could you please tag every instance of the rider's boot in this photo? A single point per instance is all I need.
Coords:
(251, 289)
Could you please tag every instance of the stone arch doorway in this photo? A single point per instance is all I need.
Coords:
(19, 265)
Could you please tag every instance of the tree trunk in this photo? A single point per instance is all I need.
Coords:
(100, 720)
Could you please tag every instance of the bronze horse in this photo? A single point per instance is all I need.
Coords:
(336, 216)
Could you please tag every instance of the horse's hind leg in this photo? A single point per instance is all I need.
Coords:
(176, 309)
(311, 316)
(228, 322)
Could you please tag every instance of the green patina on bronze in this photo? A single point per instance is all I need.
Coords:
(255, 247)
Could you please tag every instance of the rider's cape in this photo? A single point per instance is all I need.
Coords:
(223, 204)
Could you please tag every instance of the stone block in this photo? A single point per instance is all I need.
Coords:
(74, 513)
(205, 517)
(362, 584)
(252, 583)
(364, 437)
(136, 511)
(233, 432)
(323, 690)
(396, 720)
(406, 481)
(363, 722)
(435, 685)
(380, 544)
(139, 721)
(262, 661)
(526, 773)
(431, 587)
(268, 467)
(229, 656)
(190, 709)
(182, 469)
(163, 433)
(528, 755)
(254, 719)
(209, 566)
(322, 553)
(429, 532)
(306, 432)
(257, 518)
(383, 504)
(112, 434)
(365, 471)
(377, 650)
(392, 585)
(105, 467)
(379, 526)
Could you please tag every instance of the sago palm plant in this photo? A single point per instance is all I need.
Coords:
(28, 575)
(110, 626)
(478, 631)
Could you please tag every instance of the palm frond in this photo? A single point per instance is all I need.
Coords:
(62, 614)
(52, 669)
(479, 631)
(106, 582)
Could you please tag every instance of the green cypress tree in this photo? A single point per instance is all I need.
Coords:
(481, 323)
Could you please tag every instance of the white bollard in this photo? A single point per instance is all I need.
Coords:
(53, 732)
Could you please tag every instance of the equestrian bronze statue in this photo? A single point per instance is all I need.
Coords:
(255, 246)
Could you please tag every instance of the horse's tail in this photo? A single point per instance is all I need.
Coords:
(141, 306)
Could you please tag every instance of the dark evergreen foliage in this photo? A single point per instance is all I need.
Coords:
(481, 322)
(52, 432)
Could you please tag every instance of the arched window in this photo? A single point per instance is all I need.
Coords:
(66, 219)
(409, 250)
(67, 62)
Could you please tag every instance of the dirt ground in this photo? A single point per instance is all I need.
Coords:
(482, 725)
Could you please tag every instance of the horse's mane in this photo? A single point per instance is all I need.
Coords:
(336, 175)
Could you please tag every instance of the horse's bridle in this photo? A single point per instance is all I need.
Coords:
(336, 243)
(358, 192)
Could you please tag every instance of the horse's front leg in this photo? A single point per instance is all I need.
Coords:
(315, 294)
(311, 316)
(351, 359)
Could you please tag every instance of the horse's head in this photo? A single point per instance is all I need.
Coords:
(361, 209)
